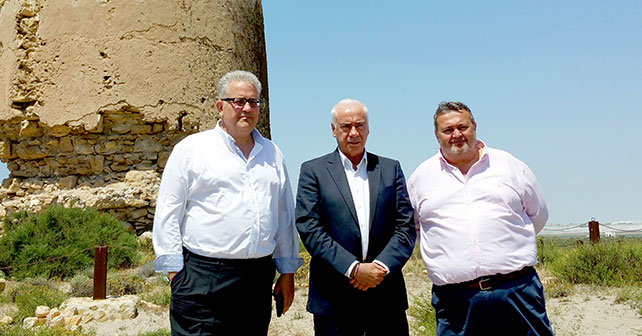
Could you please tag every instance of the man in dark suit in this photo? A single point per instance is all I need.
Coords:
(355, 219)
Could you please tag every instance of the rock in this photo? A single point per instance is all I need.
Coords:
(57, 321)
(31, 322)
(145, 238)
(68, 182)
(42, 311)
(120, 308)
(68, 312)
(73, 320)
(53, 313)
(6, 320)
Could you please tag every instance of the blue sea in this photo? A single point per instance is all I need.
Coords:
(581, 230)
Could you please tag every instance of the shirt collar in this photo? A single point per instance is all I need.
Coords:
(231, 143)
(347, 164)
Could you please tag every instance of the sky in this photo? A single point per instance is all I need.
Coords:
(558, 84)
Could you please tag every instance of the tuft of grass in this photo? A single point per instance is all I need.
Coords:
(160, 295)
(16, 330)
(423, 314)
(61, 233)
(28, 296)
(616, 263)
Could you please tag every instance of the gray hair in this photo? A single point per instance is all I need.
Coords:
(446, 107)
(343, 104)
(237, 76)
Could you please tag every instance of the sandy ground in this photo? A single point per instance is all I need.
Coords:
(588, 311)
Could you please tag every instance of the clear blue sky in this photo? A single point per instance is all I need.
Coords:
(557, 84)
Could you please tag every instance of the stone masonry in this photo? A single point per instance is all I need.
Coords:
(94, 94)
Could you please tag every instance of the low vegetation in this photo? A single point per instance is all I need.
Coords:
(65, 239)
(59, 232)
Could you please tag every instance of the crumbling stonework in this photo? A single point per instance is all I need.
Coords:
(94, 94)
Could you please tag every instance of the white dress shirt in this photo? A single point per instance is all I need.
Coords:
(216, 203)
(360, 191)
(479, 224)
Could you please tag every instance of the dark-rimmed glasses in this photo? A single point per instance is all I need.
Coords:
(240, 102)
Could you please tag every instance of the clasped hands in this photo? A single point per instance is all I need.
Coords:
(368, 275)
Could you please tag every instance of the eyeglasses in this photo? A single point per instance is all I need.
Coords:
(240, 102)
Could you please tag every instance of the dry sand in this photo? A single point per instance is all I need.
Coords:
(588, 311)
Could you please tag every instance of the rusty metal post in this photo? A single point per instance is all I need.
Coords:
(100, 272)
(594, 230)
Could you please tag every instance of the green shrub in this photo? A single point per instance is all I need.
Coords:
(27, 297)
(62, 233)
(161, 295)
(423, 322)
(616, 263)
(81, 286)
(119, 285)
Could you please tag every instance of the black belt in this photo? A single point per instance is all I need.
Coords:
(191, 254)
(492, 281)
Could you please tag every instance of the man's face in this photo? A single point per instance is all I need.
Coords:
(239, 120)
(351, 130)
(456, 133)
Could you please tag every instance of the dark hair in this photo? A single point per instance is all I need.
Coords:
(446, 107)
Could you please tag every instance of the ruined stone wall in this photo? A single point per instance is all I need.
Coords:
(95, 93)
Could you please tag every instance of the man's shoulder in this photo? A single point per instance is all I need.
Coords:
(427, 165)
(323, 159)
(195, 139)
(498, 154)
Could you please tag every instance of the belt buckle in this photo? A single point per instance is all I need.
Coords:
(481, 284)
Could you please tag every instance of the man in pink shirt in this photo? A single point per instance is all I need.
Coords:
(478, 210)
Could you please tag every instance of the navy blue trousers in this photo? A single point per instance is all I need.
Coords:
(513, 308)
(222, 296)
(381, 322)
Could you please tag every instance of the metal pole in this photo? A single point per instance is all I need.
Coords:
(100, 272)
(594, 231)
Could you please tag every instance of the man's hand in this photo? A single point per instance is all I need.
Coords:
(369, 275)
(285, 286)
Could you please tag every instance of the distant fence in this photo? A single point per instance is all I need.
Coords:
(593, 229)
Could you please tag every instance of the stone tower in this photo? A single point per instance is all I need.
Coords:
(95, 93)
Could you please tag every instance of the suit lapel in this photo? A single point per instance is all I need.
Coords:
(339, 177)
(374, 180)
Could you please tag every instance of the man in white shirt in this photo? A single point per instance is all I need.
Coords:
(478, 210)
(355, 219)
(225, 219)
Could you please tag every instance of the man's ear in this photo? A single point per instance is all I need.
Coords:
(219, 106)
(334, 131)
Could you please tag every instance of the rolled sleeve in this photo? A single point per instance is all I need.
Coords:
(169, 263)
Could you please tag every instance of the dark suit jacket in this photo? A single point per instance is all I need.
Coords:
(327, 222)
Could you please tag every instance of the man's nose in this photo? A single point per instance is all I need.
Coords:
(456, 133)
(353, 131)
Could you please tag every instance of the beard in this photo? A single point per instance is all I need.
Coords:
(459, 148)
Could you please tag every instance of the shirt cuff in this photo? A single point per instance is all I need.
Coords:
(287, 265)
(382, 265)
(349, 271)
(169, 263)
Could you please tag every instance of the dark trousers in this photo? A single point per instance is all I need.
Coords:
(513, 308)
(213, 296)
(384, 322)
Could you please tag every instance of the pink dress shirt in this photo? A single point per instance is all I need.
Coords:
(480, 224)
